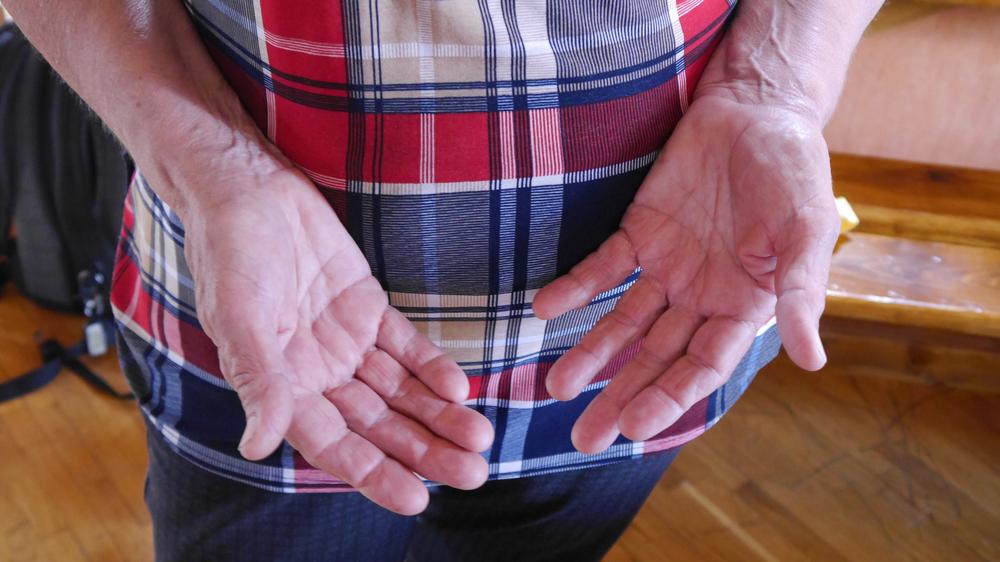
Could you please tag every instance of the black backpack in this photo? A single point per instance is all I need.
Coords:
(63, 179)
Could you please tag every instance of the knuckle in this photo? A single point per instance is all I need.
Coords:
(667, 398)
(366, 475)
(248, 384)
(710, 376)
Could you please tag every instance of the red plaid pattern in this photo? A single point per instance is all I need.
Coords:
(475, 150)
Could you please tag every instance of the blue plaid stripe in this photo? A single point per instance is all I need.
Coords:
(483, 150)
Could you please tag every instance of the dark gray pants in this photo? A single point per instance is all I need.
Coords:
(575, 515)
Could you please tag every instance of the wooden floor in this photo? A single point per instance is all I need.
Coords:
(806, 467)
(71, 461)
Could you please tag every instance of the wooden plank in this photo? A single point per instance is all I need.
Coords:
(82, 505)
(719, 483)
(708, 524)
(16, 532)
(62, 547)
(917, 187)
(912, 283)
(648, 539)
(936, 227)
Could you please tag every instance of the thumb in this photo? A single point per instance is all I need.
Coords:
(800, 283)
(252, 363)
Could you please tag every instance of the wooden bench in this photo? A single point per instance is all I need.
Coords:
(915, 290)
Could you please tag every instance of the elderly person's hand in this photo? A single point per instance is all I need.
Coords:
(308, 340)
(734, 225)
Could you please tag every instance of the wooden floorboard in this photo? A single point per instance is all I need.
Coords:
(806, 467)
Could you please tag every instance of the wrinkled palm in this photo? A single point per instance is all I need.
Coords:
(734, 225)
(308, 340)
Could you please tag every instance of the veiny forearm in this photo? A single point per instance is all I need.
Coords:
(792, 52)
(140, 65)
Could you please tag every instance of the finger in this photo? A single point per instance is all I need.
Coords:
(415, 351)
(800, 283)
(597, 428)
(253, 364)
(406, 440)
(408, 395)
(604, 269)
(631, 318)
(320, 434)
(713, 353)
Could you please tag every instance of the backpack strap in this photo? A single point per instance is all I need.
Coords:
(30, 381)
(55, 357)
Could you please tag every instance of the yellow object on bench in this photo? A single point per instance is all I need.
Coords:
(848, 218)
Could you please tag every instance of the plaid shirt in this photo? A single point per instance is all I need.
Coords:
(475, 150)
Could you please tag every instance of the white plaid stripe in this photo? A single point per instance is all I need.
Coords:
(495, 337)
(675, 24)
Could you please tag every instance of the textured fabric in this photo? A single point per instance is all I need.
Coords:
(475, 151)
(573, 515)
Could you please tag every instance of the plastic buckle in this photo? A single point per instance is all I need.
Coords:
(95, 335)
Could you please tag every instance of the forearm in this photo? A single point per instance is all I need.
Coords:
(140, 65)
(792, 53)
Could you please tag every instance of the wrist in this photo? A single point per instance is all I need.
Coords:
(765, 93)
(197, 158)
(792, 56)
(741, 72)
